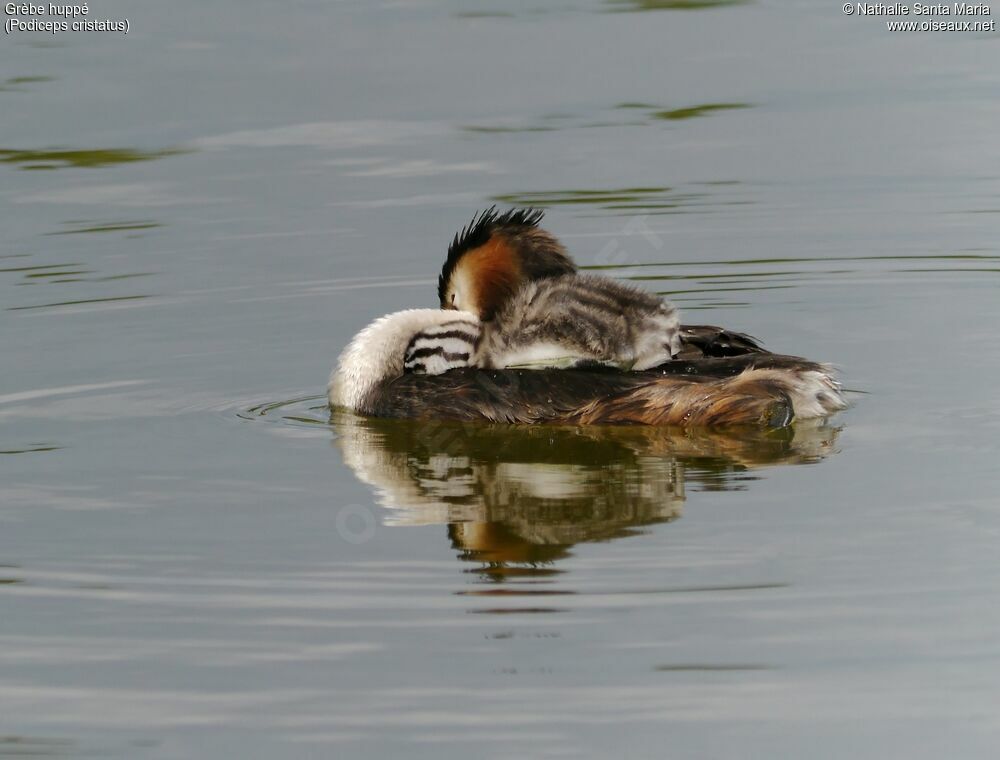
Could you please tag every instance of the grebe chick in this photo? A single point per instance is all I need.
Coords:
(537, 311)
(757, 389)
(498, 254)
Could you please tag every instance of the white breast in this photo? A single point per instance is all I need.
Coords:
(440, 348)
(376, 354)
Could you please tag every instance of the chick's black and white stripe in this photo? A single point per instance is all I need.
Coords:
(440, 348)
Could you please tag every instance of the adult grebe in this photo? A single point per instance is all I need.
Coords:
(755, 388)
(537, 311)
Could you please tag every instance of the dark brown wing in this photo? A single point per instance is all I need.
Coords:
(708, 340)
(729, 366)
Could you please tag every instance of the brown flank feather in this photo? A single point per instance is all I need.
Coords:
(732, 391)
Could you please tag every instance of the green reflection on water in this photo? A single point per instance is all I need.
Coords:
(108, 227)
(89, 159)
(57, 273)
(40, 267)
(112, 277)
(60, 273)
(60, 277)
(13, 84)
(505, 130)
(693, 112)
(680, 114)
(32, 448)
(653, 113)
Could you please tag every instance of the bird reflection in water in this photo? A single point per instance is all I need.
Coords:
(517, 498)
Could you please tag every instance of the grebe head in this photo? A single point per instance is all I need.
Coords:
(377, 353)
(494, 255)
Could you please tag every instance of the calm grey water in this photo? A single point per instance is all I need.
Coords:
(196, 562)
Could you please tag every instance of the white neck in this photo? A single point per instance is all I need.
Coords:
(375, 355)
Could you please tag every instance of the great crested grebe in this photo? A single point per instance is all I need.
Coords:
(513, 298)
(753, 388)
(537, 311)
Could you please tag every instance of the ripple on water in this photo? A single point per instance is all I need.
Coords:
(695, 286)
(629, 114)
(296, 412)
(72, 273)
(670, 5)
(78, 228)
(650, 201)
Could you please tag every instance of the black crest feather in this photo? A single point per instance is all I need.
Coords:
(480, 230)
